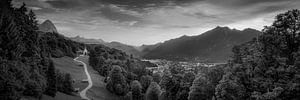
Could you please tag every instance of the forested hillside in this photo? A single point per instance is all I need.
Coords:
(264, 68)
(25, 65)
(124, 68)
(59, 46)
(213, 46)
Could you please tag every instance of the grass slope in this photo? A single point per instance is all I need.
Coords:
(68, 65)
(98, 91)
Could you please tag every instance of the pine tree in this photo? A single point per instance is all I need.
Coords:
(136, 89)
(51, 80)
(67, 84)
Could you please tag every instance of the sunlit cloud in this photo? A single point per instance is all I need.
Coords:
(138, 22)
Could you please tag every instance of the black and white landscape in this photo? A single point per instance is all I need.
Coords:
(149, 50)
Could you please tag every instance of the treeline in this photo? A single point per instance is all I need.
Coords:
(59, 46)
(265, 68)
(25, 65)
(129, 78)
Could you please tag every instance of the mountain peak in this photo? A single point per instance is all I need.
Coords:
(249, 30)
(47, 21)
(47, 26)
(222, 28)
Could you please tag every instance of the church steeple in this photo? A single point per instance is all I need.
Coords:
(85, 52)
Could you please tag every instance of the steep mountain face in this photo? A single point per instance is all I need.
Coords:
(144, 49)
(47, 26)
(213, 46)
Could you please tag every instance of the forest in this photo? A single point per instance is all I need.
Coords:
(25, 63)
(265, 68)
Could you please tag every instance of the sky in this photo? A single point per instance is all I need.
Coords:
(137, 22)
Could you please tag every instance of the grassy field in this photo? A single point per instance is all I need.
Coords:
(68, 65)
(98, 91)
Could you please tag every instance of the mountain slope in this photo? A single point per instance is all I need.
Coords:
(87, 41)
(47, 26)
(128, 49)
(214, 45)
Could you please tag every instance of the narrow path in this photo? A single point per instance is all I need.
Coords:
(83, 92)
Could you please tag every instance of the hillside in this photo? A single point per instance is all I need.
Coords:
(128, 49)
(87, 41)
(25, 65)
(214, 45)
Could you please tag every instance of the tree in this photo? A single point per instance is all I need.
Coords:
(117, 82)
(166, 82)
(51, 80)
(229, 89)
(156, 77)
(12, 82)
(136, 89)
(153, 91)
(146, 81)
(68, 84)
(267, 67)
(188, 77)
(201, 89)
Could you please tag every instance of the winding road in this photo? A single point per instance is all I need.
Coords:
(83, 92)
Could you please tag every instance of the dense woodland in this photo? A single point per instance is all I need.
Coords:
(25, 65)
(265, 68)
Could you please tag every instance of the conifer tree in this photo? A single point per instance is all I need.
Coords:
(51, 80)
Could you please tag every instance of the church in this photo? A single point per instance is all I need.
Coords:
(82, 52)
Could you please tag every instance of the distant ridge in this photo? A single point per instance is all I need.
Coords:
(128, 49)
(87, 41)
(213, 46)
(47, 26)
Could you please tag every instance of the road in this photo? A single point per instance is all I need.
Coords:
(83, 92)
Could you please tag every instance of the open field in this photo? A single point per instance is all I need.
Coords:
(68, 65)
(98, 91)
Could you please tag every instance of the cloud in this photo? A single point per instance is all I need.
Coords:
(150, 21)
(35, 8)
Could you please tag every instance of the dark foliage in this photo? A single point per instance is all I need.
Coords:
(266, 68)
(117, 82)
(102, 59)
(136, 89)
(153, 91)
(25, 53)
(51, 80)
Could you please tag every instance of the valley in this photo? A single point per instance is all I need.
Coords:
(43, 61)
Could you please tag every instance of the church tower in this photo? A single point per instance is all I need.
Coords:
(85, 52)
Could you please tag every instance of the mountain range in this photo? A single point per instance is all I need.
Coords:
(213, 46)
(130, 50)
